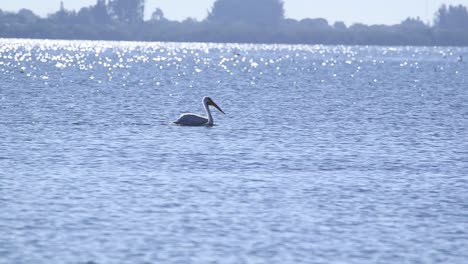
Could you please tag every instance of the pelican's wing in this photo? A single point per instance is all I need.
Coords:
(191, 120)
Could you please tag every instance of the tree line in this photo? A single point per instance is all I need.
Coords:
(247, 21)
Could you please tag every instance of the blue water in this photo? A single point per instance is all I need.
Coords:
(326, 154)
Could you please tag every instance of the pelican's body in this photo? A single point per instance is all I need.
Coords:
(198, 120)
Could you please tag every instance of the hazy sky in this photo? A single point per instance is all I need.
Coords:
(349, 11)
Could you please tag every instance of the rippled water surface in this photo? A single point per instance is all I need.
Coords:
(326, 154)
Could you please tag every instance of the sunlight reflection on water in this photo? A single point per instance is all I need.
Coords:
(326, 154)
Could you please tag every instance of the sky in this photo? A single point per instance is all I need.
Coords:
(349, 11)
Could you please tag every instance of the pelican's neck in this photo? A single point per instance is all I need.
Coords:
(208, 114)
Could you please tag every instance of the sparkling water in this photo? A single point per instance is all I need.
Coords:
(326, 154)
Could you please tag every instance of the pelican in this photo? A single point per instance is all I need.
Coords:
(198, 120)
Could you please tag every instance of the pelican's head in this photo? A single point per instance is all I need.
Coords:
(207, 101)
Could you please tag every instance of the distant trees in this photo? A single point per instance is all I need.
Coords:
(158, 15)
(258, 13)
(93, 15)
(340, 25)
(243, 21)
(452, 18)
(100, 13)
(127, 11)
(27, 16)
(413, 24)
(451, 25)
(254, 21)
(63, 16)
(315, 24)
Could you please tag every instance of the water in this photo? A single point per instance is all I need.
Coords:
(326, 154)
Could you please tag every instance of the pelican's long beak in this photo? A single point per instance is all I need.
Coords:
(215, 105)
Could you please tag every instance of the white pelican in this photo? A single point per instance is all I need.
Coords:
(198, 120)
